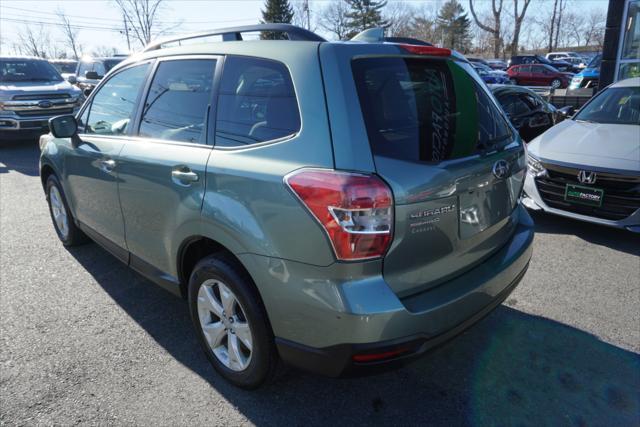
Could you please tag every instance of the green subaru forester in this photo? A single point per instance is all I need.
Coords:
(339, 206)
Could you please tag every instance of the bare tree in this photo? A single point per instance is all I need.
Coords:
(517, 24)
(104, 51)
(302, 15)
(575, 26)
(400, 16)
(34, 42)
(495, 30)
(562, 4)
(423, 24)
(333, 19)
(594, 28)
(140, 18)
(70, 35)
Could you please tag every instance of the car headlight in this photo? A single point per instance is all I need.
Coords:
(534, 167)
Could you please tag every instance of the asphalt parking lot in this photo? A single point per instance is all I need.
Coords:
(85, 340)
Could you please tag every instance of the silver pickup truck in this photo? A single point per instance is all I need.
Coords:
(31, 92)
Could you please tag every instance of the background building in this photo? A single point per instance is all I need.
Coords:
(621, 50)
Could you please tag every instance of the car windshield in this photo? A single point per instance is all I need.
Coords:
(110, 63)
(425, 110)
(27, 70)
(595, 62)
(65, 67)
(550, 68)
(618, 105)
(543, 60)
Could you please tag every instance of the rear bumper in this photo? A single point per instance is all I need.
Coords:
(338, 360)
(321, 321)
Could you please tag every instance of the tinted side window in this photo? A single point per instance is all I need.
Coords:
(85, 67)
(256, 103)
(113, 105)
(513, 105)
(178, 101)
(533, 101)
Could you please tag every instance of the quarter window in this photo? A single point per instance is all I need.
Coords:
(177, 104)
(256, 103)
(513, 105)
(113, 105)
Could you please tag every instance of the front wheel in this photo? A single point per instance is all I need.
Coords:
(556, 83)
(231, 323)
(66, 229)
(513, 81)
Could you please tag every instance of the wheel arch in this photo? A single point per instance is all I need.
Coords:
(196, 247)
(46, 170)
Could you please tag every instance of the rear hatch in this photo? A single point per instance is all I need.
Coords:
(454, 164)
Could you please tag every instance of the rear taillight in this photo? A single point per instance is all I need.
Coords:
(355, 210)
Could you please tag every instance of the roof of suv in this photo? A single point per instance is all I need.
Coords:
(304, 40)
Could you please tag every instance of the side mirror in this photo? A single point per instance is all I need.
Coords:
(92, 75)
(87, 91)
(72, 79)
(567, 111)
(63, 126)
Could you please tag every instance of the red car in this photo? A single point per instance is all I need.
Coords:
(538, 75)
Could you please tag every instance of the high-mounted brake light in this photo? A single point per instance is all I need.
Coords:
(426, 50)
(355, 210)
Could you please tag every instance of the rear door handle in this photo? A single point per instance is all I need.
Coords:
(108, 165)
(184, 177)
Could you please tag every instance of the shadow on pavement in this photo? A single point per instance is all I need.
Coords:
(20, 156)
(620, 240)
(511, 368)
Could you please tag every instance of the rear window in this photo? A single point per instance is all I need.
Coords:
(426, 110)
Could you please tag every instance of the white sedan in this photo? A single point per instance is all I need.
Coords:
(588, 167)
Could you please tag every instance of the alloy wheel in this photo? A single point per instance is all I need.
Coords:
(224, 325)
(59, 212)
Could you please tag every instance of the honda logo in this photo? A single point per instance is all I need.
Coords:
(501, 169)
(587, 177)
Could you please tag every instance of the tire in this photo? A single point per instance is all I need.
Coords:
(513, 81)
(63, 222)
(255, 360)
(556, 83)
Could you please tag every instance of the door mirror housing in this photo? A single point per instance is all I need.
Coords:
(92, 75)
(567, 111)
(63, 126)
(72, 79)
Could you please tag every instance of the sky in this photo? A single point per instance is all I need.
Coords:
(100, 22)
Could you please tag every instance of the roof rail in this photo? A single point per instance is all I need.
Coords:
(235, 34)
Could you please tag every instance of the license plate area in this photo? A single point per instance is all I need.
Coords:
(583, 195)
(481, 208)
